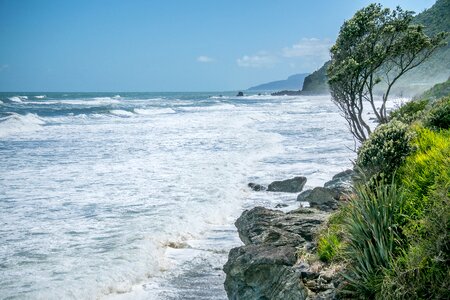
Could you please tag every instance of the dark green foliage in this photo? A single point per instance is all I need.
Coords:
(381, 155)
(371, 235)
(409, 112)
(423, 271)
(439, 115)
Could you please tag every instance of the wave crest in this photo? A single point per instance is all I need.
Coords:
(16, 123)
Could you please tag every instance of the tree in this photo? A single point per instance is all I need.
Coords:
(375, 46)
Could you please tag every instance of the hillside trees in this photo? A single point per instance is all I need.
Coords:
(377, 45)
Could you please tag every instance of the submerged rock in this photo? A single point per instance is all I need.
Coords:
(293, 185)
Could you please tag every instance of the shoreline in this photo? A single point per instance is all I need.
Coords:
(275, 260)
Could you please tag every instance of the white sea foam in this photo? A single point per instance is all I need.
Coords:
(121, 113)
(16, 123)
(95, 101)
(40, 96)
(155, 111)
(216, 107)
(17, 99)
(100, 197)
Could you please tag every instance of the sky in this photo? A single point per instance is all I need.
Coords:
(167, 45)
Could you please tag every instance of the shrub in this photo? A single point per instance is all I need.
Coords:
(409, 112)
(371, 238)
(439, 115)
(384, 151)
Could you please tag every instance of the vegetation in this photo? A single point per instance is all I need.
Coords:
(409, 112)
(383, 152)
(437, 91)
(316, 83)
(393, 236)
(376, 45)
(439, 116)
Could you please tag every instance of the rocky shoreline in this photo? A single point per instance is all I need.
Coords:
(275, 261)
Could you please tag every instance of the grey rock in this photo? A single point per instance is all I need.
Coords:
(341, 183)
(266, 226)
(263, 268)
(280, 205)
(293, 185)
(256, 187)
(320, 197)
(263, 272)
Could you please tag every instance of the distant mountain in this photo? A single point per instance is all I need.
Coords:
(294, 82)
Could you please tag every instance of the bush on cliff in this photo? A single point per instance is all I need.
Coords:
(409, 112)
(384, 151)
(439, 115)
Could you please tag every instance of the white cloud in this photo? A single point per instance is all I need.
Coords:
(262, 59)
(205, 59)
(308, 48)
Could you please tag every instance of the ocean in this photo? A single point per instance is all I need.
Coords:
(134, 195)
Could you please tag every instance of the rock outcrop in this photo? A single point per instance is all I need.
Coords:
(341, 183)
(321, 198)
(293, 185)
(266, 266)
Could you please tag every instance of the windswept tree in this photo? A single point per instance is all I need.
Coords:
(375, 47)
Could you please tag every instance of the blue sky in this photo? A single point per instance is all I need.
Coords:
(166, 45)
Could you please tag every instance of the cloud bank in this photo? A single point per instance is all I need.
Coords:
(308, 52)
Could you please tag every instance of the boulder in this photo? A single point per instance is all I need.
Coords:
(263, 268)
(256, 187)
(320, 197)
(266, 226)
(240, 94)
(341, 183)
(293, 185)
(263, 272)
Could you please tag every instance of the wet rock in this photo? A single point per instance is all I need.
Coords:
(341, 183)
(256, 187)
(240, 94)
(293, 185)
(262, 272)
(266, 226)
(263, 268)
(320, 197)
(280, 205)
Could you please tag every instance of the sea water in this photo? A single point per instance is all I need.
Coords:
(134, 195)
